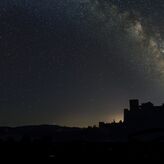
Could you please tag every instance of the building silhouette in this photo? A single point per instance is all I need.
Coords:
(144, 116)
(139, 117)
(144, 122)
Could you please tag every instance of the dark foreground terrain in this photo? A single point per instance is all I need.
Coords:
(62, 144)
(82, 152)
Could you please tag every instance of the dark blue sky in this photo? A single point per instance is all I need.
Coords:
(77, 62)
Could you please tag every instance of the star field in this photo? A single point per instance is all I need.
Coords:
(78, 62)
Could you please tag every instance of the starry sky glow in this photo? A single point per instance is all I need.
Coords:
(77, 62)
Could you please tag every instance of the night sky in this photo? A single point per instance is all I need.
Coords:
(78, 62)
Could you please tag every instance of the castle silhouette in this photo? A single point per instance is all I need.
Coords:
(144, 116)
(139, 118)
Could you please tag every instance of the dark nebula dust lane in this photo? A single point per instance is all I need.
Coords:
(77, 62)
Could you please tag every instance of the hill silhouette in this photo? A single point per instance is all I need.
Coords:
(139, 137)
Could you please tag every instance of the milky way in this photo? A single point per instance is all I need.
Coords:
(146, 41)
(77, 62)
